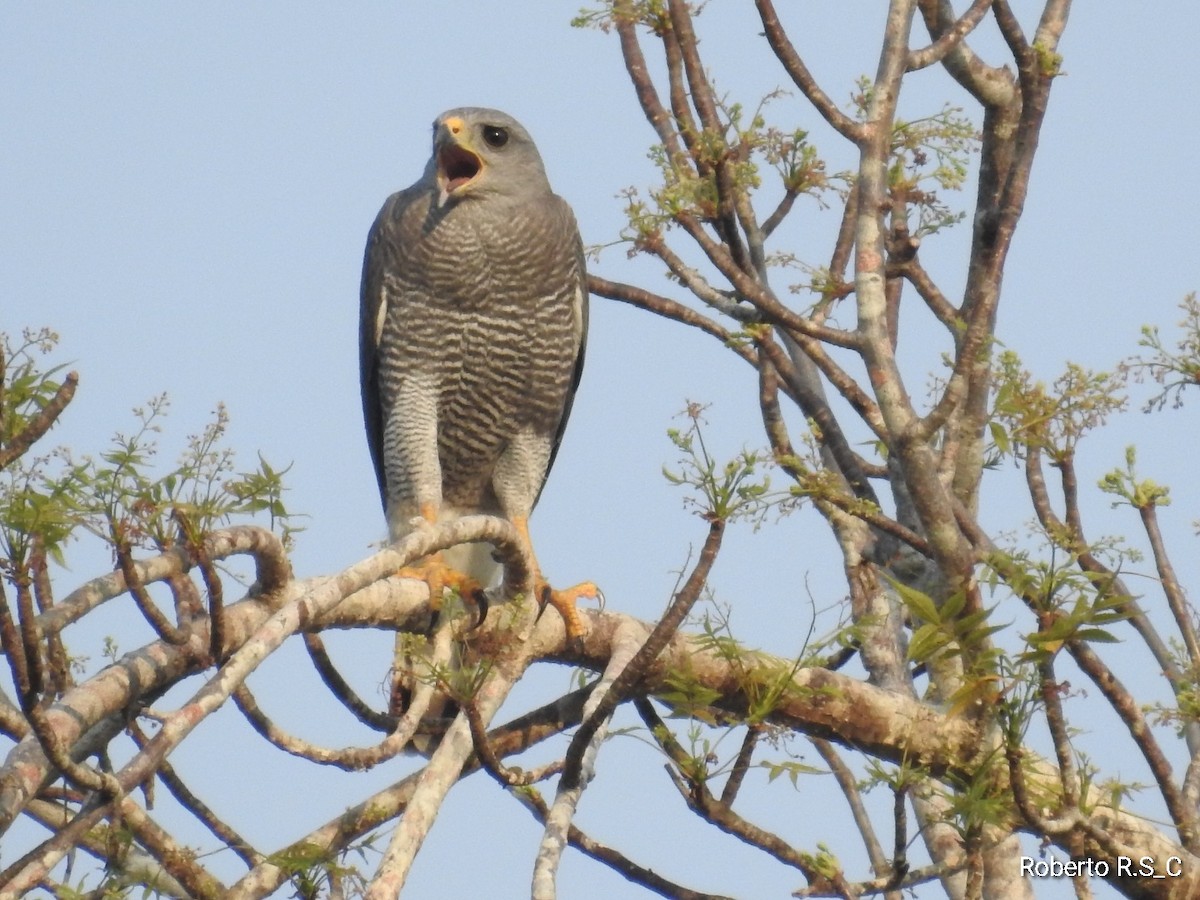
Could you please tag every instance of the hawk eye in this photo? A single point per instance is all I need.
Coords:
(495, 136)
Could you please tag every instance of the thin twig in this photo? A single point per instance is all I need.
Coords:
(198, 808)
(145, 603)
(341, 689)
(858, 811)
(618, 862)
(622, 675)
(800, 74)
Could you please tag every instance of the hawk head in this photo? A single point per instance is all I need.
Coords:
(481, 152)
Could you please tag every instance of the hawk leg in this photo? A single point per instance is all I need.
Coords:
(564, 600)
(437, 576)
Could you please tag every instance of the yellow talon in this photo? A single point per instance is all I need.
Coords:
(564, 601)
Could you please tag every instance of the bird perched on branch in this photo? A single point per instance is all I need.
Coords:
(473, 320)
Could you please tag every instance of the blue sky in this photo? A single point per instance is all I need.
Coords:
(185, 192)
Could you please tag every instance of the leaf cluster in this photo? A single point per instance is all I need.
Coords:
(1051, 418)
(1173, 367)
(728, 491)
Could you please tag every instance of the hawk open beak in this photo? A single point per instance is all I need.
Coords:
(457, 166)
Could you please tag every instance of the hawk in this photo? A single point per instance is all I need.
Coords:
(473, 321)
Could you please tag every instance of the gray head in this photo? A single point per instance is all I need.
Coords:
(483, 152)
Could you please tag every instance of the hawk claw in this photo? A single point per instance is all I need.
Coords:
(438, 576)
(564, 601)
(480, 599)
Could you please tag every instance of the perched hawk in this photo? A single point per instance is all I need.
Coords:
(474, 313)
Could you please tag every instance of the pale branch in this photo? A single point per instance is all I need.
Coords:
(286, 621)
(137, 867)
(950, 38)
(273, 571)
(508, 664)
(1051, 25)
(351, 759)
(385, 805)
(12, 720)
(444, 769)
(1191, 782)
(905, 442)
(825, 704)
(579, 764)
(878, 616)
(944, 838)
(171, 862)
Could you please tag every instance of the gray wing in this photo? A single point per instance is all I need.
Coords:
(577, 373)
(377, 259)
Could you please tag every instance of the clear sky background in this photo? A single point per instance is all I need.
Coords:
(185, 193)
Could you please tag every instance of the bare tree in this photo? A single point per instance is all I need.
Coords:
(955, 655)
